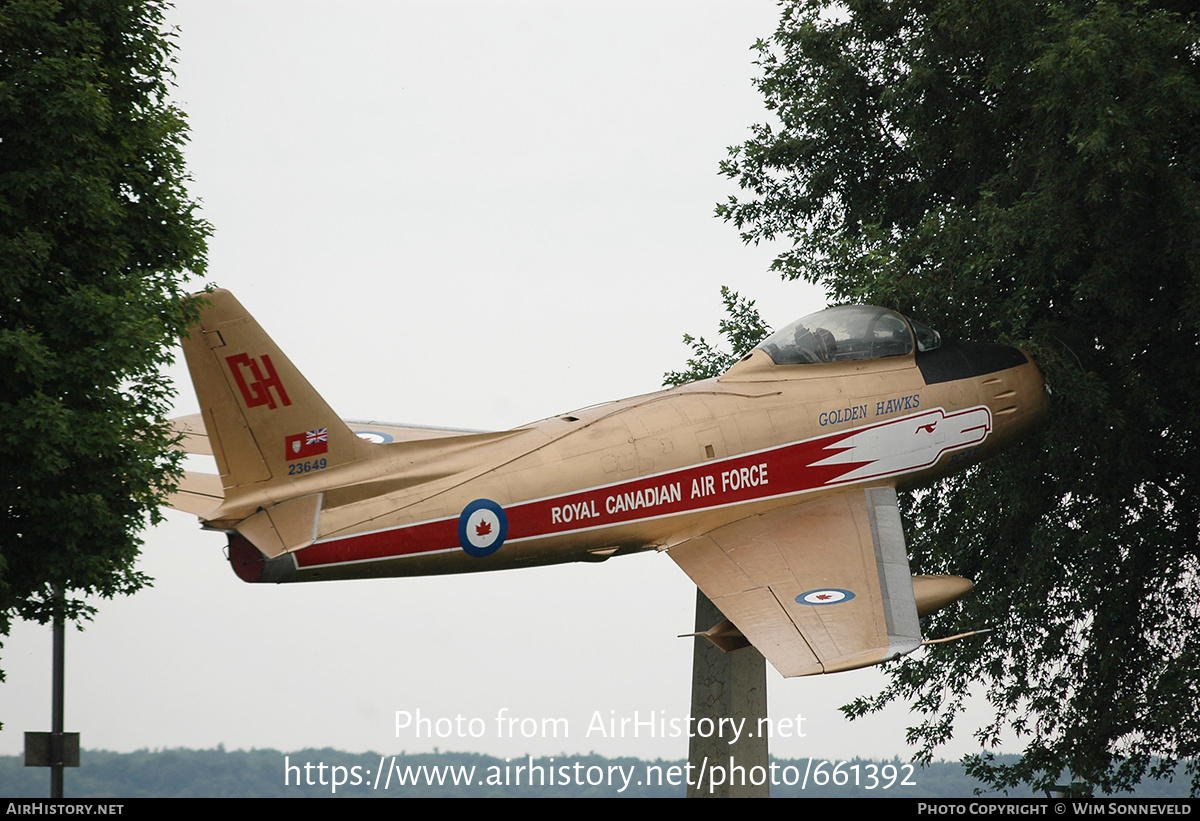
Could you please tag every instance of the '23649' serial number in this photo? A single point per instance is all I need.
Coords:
(298, 468)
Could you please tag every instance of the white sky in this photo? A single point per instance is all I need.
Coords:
(468, 214)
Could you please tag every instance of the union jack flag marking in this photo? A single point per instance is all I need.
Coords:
(307, 444)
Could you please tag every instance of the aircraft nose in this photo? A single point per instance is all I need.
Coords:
(1004, 378)
(1017, 397)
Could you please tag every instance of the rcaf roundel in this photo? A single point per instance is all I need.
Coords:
(375, 436)
(830, 595)
(482, 528)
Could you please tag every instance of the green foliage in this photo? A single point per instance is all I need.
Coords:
(1026, 172)
(96, 237)
(742, 328)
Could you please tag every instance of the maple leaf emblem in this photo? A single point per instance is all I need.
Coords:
(824, 596)
(483, 528)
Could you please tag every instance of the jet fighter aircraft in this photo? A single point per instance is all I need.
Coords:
(773, 487)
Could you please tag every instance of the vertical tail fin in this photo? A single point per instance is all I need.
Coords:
(266, 424)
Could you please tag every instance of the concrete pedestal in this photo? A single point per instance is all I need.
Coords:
(726, 686)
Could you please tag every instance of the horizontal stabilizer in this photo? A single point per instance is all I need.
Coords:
(197, 493)
(193, 438)
(284, 528)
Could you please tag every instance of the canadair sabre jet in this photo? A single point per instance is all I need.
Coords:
(773, 487)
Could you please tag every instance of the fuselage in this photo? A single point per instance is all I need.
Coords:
(656, 470)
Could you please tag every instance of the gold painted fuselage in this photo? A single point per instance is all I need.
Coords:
(642, 473)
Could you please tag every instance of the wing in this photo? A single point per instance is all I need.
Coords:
(194, 438)
(399, 432)
(819, 586)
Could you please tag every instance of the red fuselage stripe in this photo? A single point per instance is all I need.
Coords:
(740, 479)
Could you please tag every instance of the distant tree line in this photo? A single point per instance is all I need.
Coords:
(181, 773)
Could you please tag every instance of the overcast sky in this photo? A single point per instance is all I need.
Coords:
(472, 214)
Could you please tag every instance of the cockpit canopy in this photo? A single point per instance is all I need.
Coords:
(848, 333)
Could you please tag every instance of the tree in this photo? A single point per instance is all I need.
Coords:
(742, 327)
(97, 236)
(1026, 172)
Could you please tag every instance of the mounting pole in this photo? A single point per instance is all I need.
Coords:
(727, 686)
